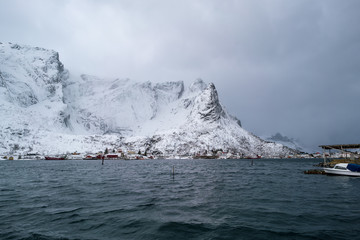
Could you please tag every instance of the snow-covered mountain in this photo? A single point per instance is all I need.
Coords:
(47, 110)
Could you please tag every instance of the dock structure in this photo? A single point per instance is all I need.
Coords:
(342, 147)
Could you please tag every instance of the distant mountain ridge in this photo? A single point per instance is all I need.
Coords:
(45, 109)
(286, 141)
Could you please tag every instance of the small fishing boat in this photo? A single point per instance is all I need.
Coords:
(344, 169)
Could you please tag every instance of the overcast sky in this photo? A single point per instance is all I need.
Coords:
(280, 66)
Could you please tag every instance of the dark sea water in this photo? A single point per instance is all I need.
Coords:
(205, 199)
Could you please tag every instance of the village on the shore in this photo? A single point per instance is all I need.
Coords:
(119, 154)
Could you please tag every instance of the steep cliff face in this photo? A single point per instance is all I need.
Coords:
(45, 110)
(30, 75)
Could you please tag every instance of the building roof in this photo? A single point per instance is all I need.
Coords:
(340, 146)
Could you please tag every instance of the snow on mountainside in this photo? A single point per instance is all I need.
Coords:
(46, 110)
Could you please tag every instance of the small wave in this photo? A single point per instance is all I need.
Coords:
(36, 236)
(65, 210)
(145, 206)
(79, 221)
(7, 190)
(61, 218)
(113, 211)
(94, 227)
(185, 227)
(134, 224)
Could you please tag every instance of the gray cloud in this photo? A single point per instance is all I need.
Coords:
(288, 66)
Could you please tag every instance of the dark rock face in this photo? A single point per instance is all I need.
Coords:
(197, 85)
(174, 90)
(279, 137)
(26, 97)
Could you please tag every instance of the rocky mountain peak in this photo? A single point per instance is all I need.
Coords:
(207, 106)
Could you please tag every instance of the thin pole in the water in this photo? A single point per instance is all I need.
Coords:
(102, 161)
(252, 162)
(173, 172)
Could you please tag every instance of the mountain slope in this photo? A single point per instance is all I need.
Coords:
(47, 110)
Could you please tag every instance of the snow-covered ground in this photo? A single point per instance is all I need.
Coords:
(45, 109)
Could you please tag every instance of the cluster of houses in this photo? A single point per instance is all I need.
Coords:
(109, 155)
(119, 154)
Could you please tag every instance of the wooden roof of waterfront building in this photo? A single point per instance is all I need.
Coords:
(340, 146)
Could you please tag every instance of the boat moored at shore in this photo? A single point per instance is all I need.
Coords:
(344, 169)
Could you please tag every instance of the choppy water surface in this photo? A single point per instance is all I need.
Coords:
(205, 199)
